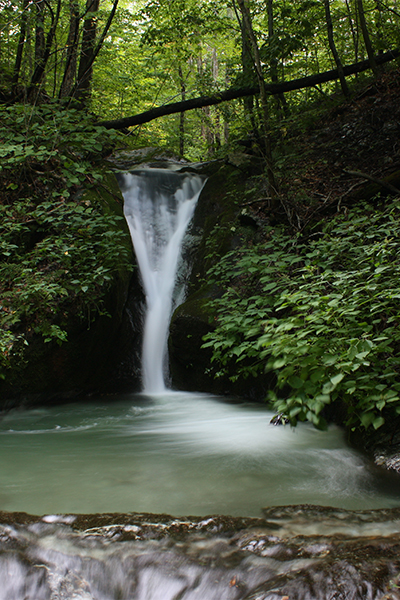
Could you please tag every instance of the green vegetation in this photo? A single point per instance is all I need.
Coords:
(119, 58)
(60, 246)
(314, 304)
(321, 313)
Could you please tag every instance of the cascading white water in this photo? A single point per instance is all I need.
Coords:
(158, 206)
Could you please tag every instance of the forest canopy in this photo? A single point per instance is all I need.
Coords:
(120, 58)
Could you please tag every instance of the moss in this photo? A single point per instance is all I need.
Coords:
(218, 223)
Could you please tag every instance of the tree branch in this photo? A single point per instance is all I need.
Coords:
(234, 93)
(385, 184)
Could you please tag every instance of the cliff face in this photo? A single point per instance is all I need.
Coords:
(220, 224)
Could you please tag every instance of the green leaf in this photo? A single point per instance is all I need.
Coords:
(367, 418)
(378, 422)
(295, 382)
(336, 379)
(317, 375)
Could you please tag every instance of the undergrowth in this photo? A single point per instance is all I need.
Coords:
(321, 314)
(59, 249)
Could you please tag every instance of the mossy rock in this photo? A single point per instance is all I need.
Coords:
(215, 220)
(190, 364)
(218, 226)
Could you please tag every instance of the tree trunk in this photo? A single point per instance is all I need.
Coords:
(235, 93)
(20, 48)
(206, 130)
(215, 73)
(72, 51)
(379, 26)
(367, 39)
(182, 115)
(354, 31)
(248, 73)
(39, 31)
(226, 122)
(89, 50)
(82, 90)
(243, 6)
(274, 63)
(42, 55)
(334, 51)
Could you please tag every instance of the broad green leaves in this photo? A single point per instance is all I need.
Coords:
(59, 251)
(325, 318)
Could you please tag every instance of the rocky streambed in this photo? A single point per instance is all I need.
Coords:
(294, 552)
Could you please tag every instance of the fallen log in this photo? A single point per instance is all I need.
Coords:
(235, 93)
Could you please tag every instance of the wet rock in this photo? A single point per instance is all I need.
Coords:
(189, 362)
(220, 224)
(139, 556)
(382, 445)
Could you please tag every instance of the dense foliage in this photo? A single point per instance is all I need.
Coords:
(321, 314)
(59, 249)
(122, 58)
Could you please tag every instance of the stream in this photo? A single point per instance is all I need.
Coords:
(178, 453)
(128, 462)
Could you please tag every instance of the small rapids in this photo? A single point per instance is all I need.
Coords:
(153, 557)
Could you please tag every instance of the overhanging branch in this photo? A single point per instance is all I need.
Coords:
(234, 93)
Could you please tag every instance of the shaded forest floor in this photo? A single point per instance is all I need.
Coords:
(360, 135)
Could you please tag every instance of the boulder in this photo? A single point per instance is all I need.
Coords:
(217, 228)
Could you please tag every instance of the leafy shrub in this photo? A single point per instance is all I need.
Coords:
(323, 316)
(59, 250)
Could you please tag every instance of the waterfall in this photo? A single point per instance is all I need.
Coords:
(158, 206)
